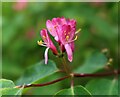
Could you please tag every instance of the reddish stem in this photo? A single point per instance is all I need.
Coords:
(44, 84)
(115, 72)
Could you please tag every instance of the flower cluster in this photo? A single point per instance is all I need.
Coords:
(64, 32)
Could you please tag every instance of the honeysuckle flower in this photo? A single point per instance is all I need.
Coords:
(20, 5)
(63, 30)
(67, 40)
(47, 43)
(55, 26)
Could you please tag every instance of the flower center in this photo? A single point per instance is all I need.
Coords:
(55, 26)
(67, 37)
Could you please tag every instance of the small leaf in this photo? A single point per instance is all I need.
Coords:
(8, 88)
(37, 72)
(94, 63)
(11, 91)
(77, 90)
(6, 83)
(103, 87)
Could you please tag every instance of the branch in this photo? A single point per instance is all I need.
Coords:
(44, 84)
(115, 72)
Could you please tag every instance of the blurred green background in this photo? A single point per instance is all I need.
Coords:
(21, 24)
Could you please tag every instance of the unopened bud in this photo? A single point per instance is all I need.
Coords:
(105, 50)
(110, 60)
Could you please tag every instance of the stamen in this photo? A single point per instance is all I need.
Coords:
(67, 37)
(41, 43)
(76, 37)
(55, 26)
(77, 31)
(73, 39)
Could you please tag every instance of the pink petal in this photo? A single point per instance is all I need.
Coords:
(71, 22)
(46, 55)
(69, 52)
(72, 45)
(50, 27)
(44, 35)
(53, 48)
(56, 38)
(48, 41)
(63, 20)
(64, 33)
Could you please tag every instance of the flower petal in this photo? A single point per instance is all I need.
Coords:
(48, 42)
(72, 46)
(69, 52)
(71, 22)
(51, 28)
(46, 55)
(44, 36)
(56, 38)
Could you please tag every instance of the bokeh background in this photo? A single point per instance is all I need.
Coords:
(22, 22)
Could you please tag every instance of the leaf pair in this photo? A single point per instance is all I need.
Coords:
(40, 71)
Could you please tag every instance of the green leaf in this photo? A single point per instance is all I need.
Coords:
(94, 63)
(103, 87)
(11, 91)
(6, 83)
(37, 72)
(77, 90)
(8, 88)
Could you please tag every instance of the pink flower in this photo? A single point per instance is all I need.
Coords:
(55, 26)
(47, 43)
(63, 30)
(20, 5)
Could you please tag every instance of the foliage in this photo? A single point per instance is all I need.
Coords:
(39, 71)
(103, 87)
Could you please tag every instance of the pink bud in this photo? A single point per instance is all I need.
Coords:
(48, 43)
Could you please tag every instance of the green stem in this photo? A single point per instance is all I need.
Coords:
(72, 84)
(66, 66)
(72, 80)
